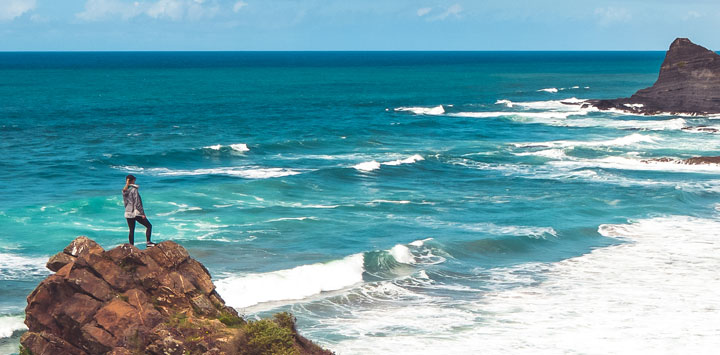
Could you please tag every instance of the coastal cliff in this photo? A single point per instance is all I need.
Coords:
(153, 301)
(689, 82)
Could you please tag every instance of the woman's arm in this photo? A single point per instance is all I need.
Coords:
(139, 205)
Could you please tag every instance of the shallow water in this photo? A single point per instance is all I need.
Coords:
(407, 202)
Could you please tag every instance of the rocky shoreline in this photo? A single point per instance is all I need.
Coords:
(154, 301)
(688, 83)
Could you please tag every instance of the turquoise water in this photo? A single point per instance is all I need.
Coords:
(411, 202)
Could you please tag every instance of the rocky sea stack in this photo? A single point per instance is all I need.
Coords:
(689, 82)
(153, 301)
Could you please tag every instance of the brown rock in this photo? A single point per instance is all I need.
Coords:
(76, 311)
(118, 318)
(45, 343)
(168, 254)
(703, 160)
(107, 269)
(127, 301)
(203, 306)
(58, 261)
(92, 285)
(81, 246)
(120, 351)
(96, 340)
(198, 275)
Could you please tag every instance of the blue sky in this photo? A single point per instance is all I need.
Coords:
(355, 24)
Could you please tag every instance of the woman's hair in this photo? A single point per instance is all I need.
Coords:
(130, 177)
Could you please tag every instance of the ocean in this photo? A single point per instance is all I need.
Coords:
(394, 202)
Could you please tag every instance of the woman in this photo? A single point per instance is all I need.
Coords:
(134, 211)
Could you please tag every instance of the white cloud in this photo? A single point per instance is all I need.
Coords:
(172, 9)
(453, 10)
(424, 11)
(611, 15)
(175, 10)
(692, 15)
(239, 5)
(10, 9)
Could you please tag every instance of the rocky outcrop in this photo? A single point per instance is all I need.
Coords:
(153, 301)
(689, 82)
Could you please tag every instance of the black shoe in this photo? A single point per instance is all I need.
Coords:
(149, 244)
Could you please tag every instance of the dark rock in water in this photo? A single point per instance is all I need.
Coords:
(701, 129)
(153, 301)
(689, 82)
(690, 161)
(702, 160)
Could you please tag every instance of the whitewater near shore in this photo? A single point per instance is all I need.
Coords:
(452, 203)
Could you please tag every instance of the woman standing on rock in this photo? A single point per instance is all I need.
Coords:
(134, 211)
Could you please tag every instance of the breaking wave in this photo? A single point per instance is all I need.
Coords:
(244, 172)
(308, 280)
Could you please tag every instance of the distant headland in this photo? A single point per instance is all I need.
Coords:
(689, 83)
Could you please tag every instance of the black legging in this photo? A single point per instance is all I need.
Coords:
(142, 220)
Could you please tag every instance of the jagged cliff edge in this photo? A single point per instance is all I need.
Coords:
(154, 301)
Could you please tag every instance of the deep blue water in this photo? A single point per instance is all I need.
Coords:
(343, 186)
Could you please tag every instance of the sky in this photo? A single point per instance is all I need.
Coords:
(166, 25)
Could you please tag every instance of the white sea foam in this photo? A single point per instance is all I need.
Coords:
(308, 280)
(239, 147)
(374, 165)
(632, 139)
(565, 119)
(550, 90)
(493, 229)
(625, 163)
(437, 110)
(402, 254)
(291, 284)
(634, 105)
(397, 202)
(655, 293)
(540, 116)
(181, 207)
(244, 172)
(569, 104)
(547, 153)
(408, 160)
(293, 219)
(11, 324)
(16, 267)
(367, 166)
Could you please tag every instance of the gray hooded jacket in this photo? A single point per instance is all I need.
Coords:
(133, 202)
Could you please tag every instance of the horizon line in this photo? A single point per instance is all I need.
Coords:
(331, 50)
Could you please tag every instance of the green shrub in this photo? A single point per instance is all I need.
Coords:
(25, 351)
(231, 320)
(265, 337)
(285, 320)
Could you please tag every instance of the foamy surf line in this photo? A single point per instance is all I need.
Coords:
(436, 110)
(653, 294)
(576, 119)
(308, 280)
(374, 165)
(15, 267)
(633, 139)
(239, 147)
(11, 324)
(623, 163)
(244, 172)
